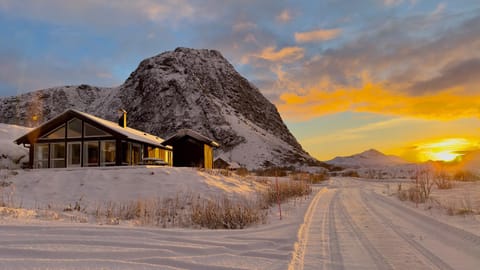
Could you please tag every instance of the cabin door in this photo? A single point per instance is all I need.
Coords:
(74, 154)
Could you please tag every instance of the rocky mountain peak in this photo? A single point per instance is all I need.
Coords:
(185, 88)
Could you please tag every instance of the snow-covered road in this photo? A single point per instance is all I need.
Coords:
(349, 226)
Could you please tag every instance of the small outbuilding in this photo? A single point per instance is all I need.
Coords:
(220, 163)
(191, 149)
(78, 139)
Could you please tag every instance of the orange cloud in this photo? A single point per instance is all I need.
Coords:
(448, 104)
(287, 54)
(284, 16)
(317, 35)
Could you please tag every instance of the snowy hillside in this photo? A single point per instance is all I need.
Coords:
(369, 158)
(12, 156)
(60, 187)
(184, 88)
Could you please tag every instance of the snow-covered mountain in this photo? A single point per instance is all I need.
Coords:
(184, 88)
(369, 158)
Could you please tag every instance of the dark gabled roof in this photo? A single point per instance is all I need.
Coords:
(192, 134)
(110, 127)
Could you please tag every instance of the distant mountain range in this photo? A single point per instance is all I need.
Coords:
(184, 88)
(369, 158)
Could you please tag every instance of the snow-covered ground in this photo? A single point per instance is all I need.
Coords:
(349, 224)
(11, 155)
(57, 188)
(31, 241)
(356, 224)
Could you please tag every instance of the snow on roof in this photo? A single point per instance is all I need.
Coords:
(131, 133)
(231, 164)
(188, 132)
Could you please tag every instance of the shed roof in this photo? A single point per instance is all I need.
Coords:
(190, 133)
(110, 126)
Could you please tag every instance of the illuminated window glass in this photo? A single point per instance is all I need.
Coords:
(91, 131)
(107, 153)
(58, 133)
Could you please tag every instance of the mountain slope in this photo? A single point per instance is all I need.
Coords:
(185, 88)
(369, 158)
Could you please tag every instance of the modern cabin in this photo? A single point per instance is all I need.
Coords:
(191, 149)
(78, 139)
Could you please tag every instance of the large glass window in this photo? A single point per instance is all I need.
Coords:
(58, 133)
(40, 159)
(91, 131)
(90, 154)
(57, 158)
(74, 154)
(107, 153)
(74, 128)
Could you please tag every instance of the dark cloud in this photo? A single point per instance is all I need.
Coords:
(464, 73)
(402, 53)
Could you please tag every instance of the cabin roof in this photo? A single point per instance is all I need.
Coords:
(190, 133)
(127, 132)
(231, 164)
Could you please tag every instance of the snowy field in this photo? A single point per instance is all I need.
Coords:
(348, 224)
(57, 188)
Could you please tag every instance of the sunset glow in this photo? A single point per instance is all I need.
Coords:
(445, 149)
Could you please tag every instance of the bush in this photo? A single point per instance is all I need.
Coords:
(285, 191)
(225, 213)
(186, 210)
(443, 183)
(465, 176)
(350, 173)
(242, 172)
(312, 178)
(413, 194)
(272, 171)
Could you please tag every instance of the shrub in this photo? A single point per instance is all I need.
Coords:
(272, 171)
(465, 176)
(185, 210)
(443, 183)
(225, 213)
(312, 178)
(285, 191)
(413, 194)
(242, 172)
(350, 173)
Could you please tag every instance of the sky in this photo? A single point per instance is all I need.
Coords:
(400, 76)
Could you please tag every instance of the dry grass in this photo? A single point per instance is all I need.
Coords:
(466, 176)
(284, 191)
(185, 210)
(312, 178)
(224, 213)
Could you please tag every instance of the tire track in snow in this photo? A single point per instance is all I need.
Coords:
(298, 256)
(435, 260)
(379, 261)
(457, 232)
(334, 246)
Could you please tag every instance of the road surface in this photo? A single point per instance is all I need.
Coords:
(349, 226)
